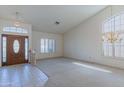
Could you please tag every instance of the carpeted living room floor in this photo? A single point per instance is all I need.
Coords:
(64, 72)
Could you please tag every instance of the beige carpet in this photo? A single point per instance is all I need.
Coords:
(64, 72)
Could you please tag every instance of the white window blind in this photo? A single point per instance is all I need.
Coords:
(47, 45)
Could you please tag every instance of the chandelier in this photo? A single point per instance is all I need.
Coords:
(17, 21)
(111, 37)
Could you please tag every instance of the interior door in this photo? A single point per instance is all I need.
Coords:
(16, 49)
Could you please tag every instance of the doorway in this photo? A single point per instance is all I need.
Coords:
(14, 49)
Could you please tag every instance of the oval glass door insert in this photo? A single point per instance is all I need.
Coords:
(16, 46)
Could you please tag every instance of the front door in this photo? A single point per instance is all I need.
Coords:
(14, 50)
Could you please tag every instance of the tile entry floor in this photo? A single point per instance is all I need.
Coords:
(22, 75)
(61, 72)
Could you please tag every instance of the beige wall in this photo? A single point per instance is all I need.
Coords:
(84, 41)
(36, 37)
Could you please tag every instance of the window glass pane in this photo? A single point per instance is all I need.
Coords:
(53, 42)
(42, 46)
(117, 20)
(107, 49)
(4, 49)
(50, 46)
(110, 49)
(117, 50)
(26, 48)
(122, 28)
(122, 50)
(24, 31)
(115, 26)
(15, 29)
(122, 19)
(46, 45)
(117, 23)
(19, 30)
(16, 46)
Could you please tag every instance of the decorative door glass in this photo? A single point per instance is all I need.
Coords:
(16, 46)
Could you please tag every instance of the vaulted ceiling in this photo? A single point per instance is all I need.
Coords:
(43, 17)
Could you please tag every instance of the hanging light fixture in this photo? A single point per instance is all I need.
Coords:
(111, 36)
(17, 21)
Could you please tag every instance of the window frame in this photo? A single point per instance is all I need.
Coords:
(113, 49)
(53, 48)
(3, 63)
(19, 30)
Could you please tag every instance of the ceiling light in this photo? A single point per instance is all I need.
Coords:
(57, 22)
(17, 21)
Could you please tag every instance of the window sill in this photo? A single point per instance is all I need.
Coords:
(115, 58)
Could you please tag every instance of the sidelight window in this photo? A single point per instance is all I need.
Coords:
(4, 51)
(26, 48)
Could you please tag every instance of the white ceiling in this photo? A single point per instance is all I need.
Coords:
(43, 18)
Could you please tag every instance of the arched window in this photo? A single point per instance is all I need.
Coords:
(113, 36)
(15, 29)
